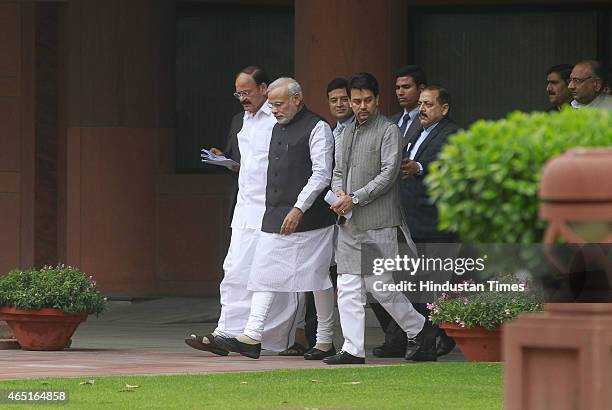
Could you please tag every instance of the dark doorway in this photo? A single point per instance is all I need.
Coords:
(47, 141)
(493, 59)
(213, 43)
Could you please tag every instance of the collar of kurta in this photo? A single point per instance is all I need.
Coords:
(367, 122)
(265, 108)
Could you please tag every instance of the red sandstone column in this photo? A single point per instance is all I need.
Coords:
(340, 38)
(119, 78)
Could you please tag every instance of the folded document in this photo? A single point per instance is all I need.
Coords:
(210, 158)
(331, 199)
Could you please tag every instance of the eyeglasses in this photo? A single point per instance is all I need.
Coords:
(276, 104)
(580, 80)
(243, 93)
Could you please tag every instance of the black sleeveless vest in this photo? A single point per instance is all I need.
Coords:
(289, 167)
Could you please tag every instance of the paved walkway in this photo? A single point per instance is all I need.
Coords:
(146, 338)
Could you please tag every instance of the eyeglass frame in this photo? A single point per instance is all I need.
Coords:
(578, 80)
(243, 93)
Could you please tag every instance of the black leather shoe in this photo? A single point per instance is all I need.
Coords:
(413, 346)
(344, 358)
(234, 345)
(446, 345)
(427, 353)
(318, 354)
(387, 350)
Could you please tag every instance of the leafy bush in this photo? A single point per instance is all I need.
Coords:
(485, 182)
(488, 308)
(61, 287)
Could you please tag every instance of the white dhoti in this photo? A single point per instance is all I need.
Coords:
(279, 331)
(292, 263)
(353, 284)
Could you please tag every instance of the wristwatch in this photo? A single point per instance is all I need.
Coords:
(354, 199)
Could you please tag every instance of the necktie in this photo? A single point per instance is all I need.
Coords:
(404, 125)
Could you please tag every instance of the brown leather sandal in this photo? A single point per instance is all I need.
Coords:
(197, 342)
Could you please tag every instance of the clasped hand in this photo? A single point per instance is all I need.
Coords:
(344, 204)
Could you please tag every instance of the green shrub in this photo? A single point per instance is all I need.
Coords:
(488, 308)
(485, 182)
(61, 287)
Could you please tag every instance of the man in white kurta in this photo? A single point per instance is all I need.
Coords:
(294, 250)
(253, 142)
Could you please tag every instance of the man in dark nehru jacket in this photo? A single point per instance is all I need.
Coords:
(294, 250)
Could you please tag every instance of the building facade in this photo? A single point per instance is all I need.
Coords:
(92, 171)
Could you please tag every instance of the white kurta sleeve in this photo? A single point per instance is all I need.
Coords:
(321, 155)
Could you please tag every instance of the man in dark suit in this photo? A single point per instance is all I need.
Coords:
(421, 150)
(421, 214)
(409, 82)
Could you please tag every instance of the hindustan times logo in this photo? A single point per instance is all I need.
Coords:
(404, 263)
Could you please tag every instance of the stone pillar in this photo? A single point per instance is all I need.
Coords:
(119, 113)
(561, 359)
(343, 37)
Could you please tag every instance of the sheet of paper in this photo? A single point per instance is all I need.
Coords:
(331, 199)
(210, 158)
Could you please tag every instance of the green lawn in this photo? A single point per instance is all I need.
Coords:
(417, 386)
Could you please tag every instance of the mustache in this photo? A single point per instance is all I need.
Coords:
(245, 102)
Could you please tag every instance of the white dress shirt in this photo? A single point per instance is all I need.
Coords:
(413, 149)
(254, 144)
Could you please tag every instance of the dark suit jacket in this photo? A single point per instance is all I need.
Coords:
(421, 213)
(414, 129)
(233, 151)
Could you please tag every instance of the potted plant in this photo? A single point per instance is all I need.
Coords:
(43, 307)
(473, 318)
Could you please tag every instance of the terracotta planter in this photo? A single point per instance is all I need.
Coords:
(45, 329)
(476, 343)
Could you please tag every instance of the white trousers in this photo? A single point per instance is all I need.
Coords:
(279, 333)
(261, 306)
(351, 305)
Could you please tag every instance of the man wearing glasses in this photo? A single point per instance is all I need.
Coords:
(586, 85)
(250, 136)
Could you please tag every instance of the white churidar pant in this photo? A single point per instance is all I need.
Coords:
(353, 283)
(261, 312)
(279, 332)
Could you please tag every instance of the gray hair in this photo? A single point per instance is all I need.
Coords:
(293, 87)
